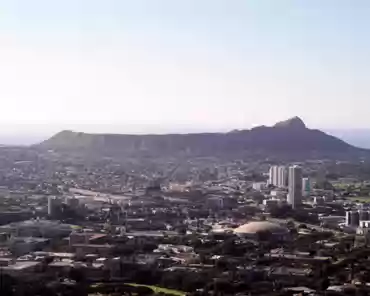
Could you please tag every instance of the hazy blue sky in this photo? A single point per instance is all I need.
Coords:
(183, 64)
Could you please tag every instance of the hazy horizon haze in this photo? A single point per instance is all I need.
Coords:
(204, 65)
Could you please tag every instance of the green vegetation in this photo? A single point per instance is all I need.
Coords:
(158, 290)
(360, 198)
(343, 186)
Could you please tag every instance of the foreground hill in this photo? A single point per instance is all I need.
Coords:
(290, 138)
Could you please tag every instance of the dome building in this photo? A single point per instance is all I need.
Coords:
(257, 229)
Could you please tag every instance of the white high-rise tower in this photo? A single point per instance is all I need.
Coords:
(295, 186)
(278, 176)
(53, 203)
(282, 177)
(273, 175)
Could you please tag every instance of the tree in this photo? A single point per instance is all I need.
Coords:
(7, 285)
(78, 275)
(324, 284)
(223, 286)
(290, 224)
(264, 236)
(293, 231)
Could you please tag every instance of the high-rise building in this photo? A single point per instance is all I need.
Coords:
(364, 215)
(273, 175)
(295, 186)
(306, 186)
(278, 176)
(352, 218)
(53, 203)
(72, 202)
(355, 218)
(348, 218)
(282, 177)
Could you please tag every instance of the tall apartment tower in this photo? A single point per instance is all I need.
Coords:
(348, 218)
(295, 186)
(278, 176)
(355, 217)
(282, 177)
(273, 175)
(364, 215)
(53, 204)
(352, 218)
(306, 186)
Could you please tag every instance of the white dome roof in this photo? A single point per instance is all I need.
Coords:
(260, 226)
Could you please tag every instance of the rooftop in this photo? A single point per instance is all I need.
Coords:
(260, 226)
(19, 265)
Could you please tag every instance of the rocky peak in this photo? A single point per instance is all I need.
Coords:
(294, 122)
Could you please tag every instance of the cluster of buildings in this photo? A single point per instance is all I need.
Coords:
(359, 220)
(200, 205)
(290, 178)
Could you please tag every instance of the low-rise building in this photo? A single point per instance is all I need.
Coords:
(37, 228)
(21, 268)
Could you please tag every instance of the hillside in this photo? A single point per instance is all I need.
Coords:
(285, 139)
(358, 137)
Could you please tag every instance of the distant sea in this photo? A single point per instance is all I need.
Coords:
(356, 137)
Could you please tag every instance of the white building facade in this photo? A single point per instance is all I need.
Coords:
(278, 176)
(295, 186)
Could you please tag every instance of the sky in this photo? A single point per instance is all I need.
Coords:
(182, 65)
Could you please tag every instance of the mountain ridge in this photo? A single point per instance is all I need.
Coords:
(288, 137)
